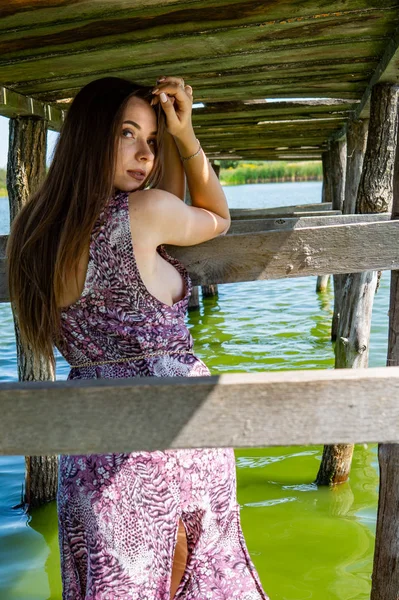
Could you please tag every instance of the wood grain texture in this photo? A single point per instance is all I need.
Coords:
(385, 579)
(228, 50)
(283, 223)
(279, 254)
(239, 410)
(14, 105)
(253, 213)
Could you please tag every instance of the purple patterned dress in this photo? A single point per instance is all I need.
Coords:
(119, 513)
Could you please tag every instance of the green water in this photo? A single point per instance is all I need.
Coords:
(306, 543)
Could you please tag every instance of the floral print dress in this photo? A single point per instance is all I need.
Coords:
(118, 514)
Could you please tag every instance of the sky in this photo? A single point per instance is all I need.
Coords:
(51, 139)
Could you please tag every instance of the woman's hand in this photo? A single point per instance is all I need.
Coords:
(178, 104)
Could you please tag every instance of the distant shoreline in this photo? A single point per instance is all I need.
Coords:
(289, 179)
(273, 180)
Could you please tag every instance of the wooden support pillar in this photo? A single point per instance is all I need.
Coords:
(356, 147)
(385, 580)
(358, 289)
(26, 168)
(193, 302)
(209, 291)
(326, 196)
(338, 176)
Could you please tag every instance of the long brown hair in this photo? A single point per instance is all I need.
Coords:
(49, 234)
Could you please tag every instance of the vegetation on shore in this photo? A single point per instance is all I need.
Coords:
(239, 172)
(3, 187)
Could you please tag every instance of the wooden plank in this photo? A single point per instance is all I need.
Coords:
(279, 254)
(251, 213)
(385, 578)
(253, 225)
(283, 49)
(252, 45)
(300, 213)
(297, 253)
(240, 410)
(387, 71)
(314, 56)
(13, 105)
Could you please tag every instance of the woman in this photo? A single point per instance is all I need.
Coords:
(88, 272)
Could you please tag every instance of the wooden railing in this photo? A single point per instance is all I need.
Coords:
(288, 252)
(241, 410)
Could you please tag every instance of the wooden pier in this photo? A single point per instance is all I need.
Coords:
(337, 68)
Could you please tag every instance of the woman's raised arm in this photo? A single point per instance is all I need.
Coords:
(203, 183)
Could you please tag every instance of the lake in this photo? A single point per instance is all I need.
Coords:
(306, 543)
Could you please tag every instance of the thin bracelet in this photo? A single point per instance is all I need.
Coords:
(192, 156)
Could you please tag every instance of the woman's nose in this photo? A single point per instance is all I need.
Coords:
(144, 151)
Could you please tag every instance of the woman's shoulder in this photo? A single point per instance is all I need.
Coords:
(148, 199)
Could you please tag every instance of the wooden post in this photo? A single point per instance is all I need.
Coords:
(26, 168)
(385, 580)
(211, 290)
(326, 196)
(193, 302)
(358, 289)
(356, 147)
(338, 176)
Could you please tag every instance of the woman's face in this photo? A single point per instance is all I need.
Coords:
(136, 145)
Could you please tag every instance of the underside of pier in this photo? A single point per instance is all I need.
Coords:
(241, 58)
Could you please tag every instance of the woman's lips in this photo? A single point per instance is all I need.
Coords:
(137, 175)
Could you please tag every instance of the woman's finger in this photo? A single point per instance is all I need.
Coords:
(173, 88)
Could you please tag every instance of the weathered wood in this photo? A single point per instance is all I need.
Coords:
(280, 254)
(262, 213)
(337, 165)
(356, 148)
(25, 171)
(375, 187)
(16, 105)
(239, 410)
(357, 290)
(193, 302)
(386, 72)
(300, 222)
(326, 196)
(385, 580)
(210, 290)
(277, 215)
(285, 49)
(335, 464)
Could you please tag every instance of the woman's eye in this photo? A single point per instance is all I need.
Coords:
(126, 131)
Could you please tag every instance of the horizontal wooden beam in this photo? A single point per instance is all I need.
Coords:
(300, 222)
(262, 213)
(239, 410)
(293, 253)
(387, 71)
(278, 254)
(13, 105)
